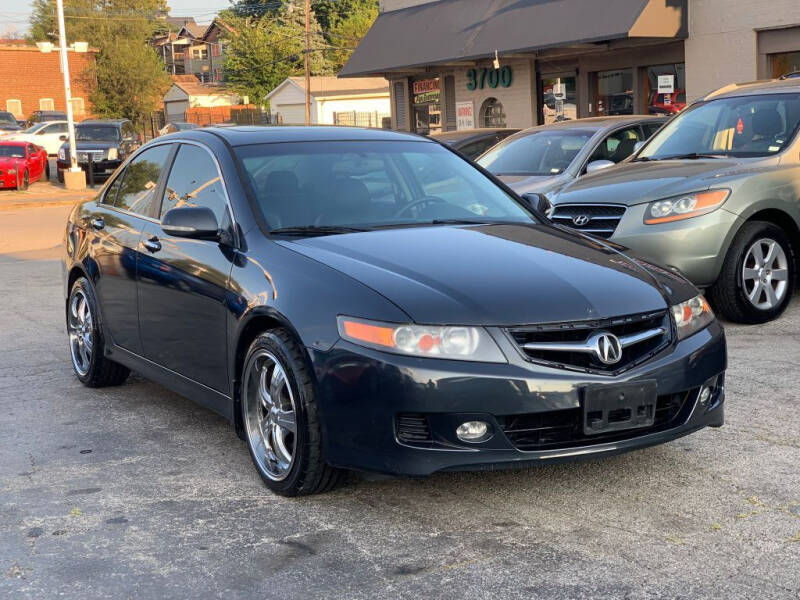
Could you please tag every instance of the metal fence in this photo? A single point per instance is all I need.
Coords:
(353, 118)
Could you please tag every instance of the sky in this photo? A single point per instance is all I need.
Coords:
(15, 15)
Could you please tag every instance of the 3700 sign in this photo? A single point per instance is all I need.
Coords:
(482, 78)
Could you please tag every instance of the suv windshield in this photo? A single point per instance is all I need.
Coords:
(746, 126)
(97, 133)
(364, 184)
(546, 152)
(7, 117)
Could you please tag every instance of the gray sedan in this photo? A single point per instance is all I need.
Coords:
(544, 159)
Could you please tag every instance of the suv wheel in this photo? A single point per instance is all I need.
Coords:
(86, 341)
(281, 422)
(757, 278)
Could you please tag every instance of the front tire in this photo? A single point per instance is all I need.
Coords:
(757, 279)
(281, 419)
(23, 183)
(86, 340)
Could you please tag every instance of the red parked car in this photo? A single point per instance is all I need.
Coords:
(667, 104)
(22, 163)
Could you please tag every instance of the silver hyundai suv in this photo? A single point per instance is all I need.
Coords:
(714, 194)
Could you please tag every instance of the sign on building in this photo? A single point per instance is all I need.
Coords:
(465, 115)
(666, 84)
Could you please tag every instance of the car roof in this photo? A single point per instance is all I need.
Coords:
(753, 88)
(463, 134)
(103, 122)
(12, 143)
(241, 135)
(598, 123)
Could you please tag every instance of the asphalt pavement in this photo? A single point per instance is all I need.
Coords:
(135, 492)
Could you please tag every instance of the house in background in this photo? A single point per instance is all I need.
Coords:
(188, 93)
(34, 81)
(362, 101)
(197, 50)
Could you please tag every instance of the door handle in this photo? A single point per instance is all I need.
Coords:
(98, 223)
(152, 245)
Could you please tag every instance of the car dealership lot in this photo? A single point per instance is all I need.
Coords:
(136, 492)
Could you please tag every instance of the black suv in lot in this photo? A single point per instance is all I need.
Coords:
(366, 299)
(106, 142)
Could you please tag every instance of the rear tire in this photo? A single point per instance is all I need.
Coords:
(47, 169)
(757, 278)
(277, 396)
(87, 342)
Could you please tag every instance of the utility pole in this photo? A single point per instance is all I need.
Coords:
(308, 62)
(73, 179)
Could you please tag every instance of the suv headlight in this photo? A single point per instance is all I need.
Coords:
(62, 154)
(692, 316)
(113, 154)
(684, 207)
(452, 342)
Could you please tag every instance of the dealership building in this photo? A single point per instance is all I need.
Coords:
(457, 64)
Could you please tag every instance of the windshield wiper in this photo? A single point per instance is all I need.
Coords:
(693, 156)
(316, 230)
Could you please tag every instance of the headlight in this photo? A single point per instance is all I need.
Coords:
(451, 341)
(684, 207)
(112, 154)
(692, 316)
(62, 154)
(12, 171)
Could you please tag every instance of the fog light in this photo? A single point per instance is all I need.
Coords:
(705, 394)
(472, 431)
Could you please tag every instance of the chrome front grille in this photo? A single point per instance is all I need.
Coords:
(582, 345)
(597, 219)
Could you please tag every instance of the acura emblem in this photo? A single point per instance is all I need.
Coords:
(581, 220)
(607, 348)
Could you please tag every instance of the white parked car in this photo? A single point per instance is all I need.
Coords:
(46, 134)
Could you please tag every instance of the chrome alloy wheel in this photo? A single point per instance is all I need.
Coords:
(269, 415)
(765, 274)
(81, 331)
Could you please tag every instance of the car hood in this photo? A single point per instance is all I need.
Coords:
(84, 146)
(638, 182)
(540, 184)
(10, 161)
(490, 274)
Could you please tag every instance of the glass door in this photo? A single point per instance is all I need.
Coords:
(558, 99)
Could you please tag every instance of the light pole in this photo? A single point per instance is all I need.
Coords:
(74, 178)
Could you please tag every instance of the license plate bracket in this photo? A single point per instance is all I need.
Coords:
(609, 408)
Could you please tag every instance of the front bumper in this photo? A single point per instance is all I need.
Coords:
(363, 392)
(99, 167)
(7, 180)
(696, 246)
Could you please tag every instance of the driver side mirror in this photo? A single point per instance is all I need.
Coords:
(598, 165)
(196, 222)
(538, 202)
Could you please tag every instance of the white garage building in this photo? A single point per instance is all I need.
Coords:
(362, 101)
(187, 92)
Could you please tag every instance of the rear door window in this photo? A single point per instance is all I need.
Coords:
(140, 180)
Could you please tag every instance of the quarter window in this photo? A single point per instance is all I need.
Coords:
(194, 181)
(140, 180)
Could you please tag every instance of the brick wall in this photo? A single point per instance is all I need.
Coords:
(30, 75)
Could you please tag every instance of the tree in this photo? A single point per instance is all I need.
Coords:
(330, 13)
(131, 81)
(346, 32)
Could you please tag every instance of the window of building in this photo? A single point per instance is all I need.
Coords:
(427, 106)
(559, 97)
(785, 63)
(78, 107)
(665, 103)
(14, 107)
(200, 53)
(612, 92)
(492, 113)
(46, 104)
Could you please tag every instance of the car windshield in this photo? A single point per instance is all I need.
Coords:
(7, 117)
(97, 133)
(12, 151)
(366, 184)
(35, 127)
(536, 153)
(745, 126)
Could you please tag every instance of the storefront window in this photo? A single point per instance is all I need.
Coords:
(612, 92)
(492, 114)
(427, 106)
(785, 63)
(664, 103)
(559, 98)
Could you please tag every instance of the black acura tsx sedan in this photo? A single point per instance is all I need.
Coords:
(370, 300)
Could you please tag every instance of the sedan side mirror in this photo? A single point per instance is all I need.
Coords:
(539, 202)
(63, 138)
(599, 165)
(197, 222)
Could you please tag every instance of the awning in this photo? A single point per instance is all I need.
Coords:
(452, 30)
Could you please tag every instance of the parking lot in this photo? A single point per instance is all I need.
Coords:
(135, 492)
